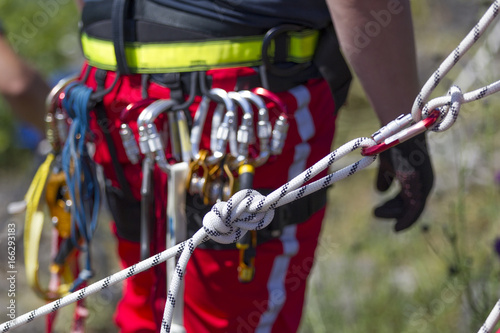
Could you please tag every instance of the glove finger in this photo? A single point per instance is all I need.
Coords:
(409, 217)
(386, 172)
(392, 209)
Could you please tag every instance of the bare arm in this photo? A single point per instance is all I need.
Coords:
(22, 86)
(377, 39)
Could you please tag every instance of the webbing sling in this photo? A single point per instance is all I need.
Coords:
(188, 56)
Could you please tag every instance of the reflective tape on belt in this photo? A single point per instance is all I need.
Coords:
(196, 55)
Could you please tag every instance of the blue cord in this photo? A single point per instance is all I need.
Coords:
(80, 174)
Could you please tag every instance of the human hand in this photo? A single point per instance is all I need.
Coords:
(410, 164)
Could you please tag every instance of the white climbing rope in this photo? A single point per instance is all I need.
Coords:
(93, 288)
(452, 59)
(225, 223)
(249, 210)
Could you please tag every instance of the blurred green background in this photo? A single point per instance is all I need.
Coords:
(440, 276)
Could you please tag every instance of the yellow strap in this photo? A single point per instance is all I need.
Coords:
(196, 55)
(33, 226)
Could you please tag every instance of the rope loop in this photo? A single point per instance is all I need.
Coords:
(228, 221)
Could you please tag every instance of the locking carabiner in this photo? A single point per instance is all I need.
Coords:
(245, 134)
(403, 135)
(128, 114)
(280, 130)
(150, 141)
(55, 119)
(264, 127)
(226, 132)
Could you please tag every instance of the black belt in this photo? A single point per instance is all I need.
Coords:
(295, 212)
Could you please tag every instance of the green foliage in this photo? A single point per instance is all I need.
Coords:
(44, 33)
(38, 30)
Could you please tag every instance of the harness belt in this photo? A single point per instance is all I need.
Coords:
(201, 55)
(296, 212)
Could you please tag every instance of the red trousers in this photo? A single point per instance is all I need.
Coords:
(215, 301)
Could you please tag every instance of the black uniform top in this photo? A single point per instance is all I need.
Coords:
(216, 18)
(258, 13)
(182, 20)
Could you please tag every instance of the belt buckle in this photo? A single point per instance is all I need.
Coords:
(266, 42)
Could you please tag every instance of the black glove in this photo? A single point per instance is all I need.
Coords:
(410, 164)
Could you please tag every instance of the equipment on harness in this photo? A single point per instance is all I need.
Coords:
(128, 114)
(51, 178)
(152, 147)
(264, 127)
(280, 128)
(80, 175)
(247, 244)
(245, 134)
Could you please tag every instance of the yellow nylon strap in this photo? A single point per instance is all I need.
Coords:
(197, 55)
(33, 226)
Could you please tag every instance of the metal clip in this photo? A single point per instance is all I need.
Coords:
(403, 135)
(280, 130)
(264, 127)
(53, 111)
(245, 134)
(226, 132)
(196, 183)
(247, 251)
(129, 144)
(150, 141)
(127, 115)
(220, 183)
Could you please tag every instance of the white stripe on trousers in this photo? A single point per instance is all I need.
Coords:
(276, 283)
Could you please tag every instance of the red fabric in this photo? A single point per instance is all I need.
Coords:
(215, 301)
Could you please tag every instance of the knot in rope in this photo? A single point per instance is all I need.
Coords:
(228, 221)
(448, 106)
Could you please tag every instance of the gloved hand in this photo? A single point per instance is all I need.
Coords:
(410, 164)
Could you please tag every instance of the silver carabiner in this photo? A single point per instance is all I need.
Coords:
(198, 123)
(150, 141)
(227, 129)
(264, 127)
(281, 125)
(54, 116)
(245, 135)
(216, 121)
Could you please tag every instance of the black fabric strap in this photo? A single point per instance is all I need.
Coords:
(295, 212)
(103, 122)
(118, 15)
(331, 64)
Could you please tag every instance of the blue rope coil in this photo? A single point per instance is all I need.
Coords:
(80, 173)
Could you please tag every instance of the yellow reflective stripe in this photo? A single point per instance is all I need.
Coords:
(302, 45)
(205, 55)
(190, 56)
(100, 53)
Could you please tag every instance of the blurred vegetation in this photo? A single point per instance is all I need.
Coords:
(443, 275)
(44, 33)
